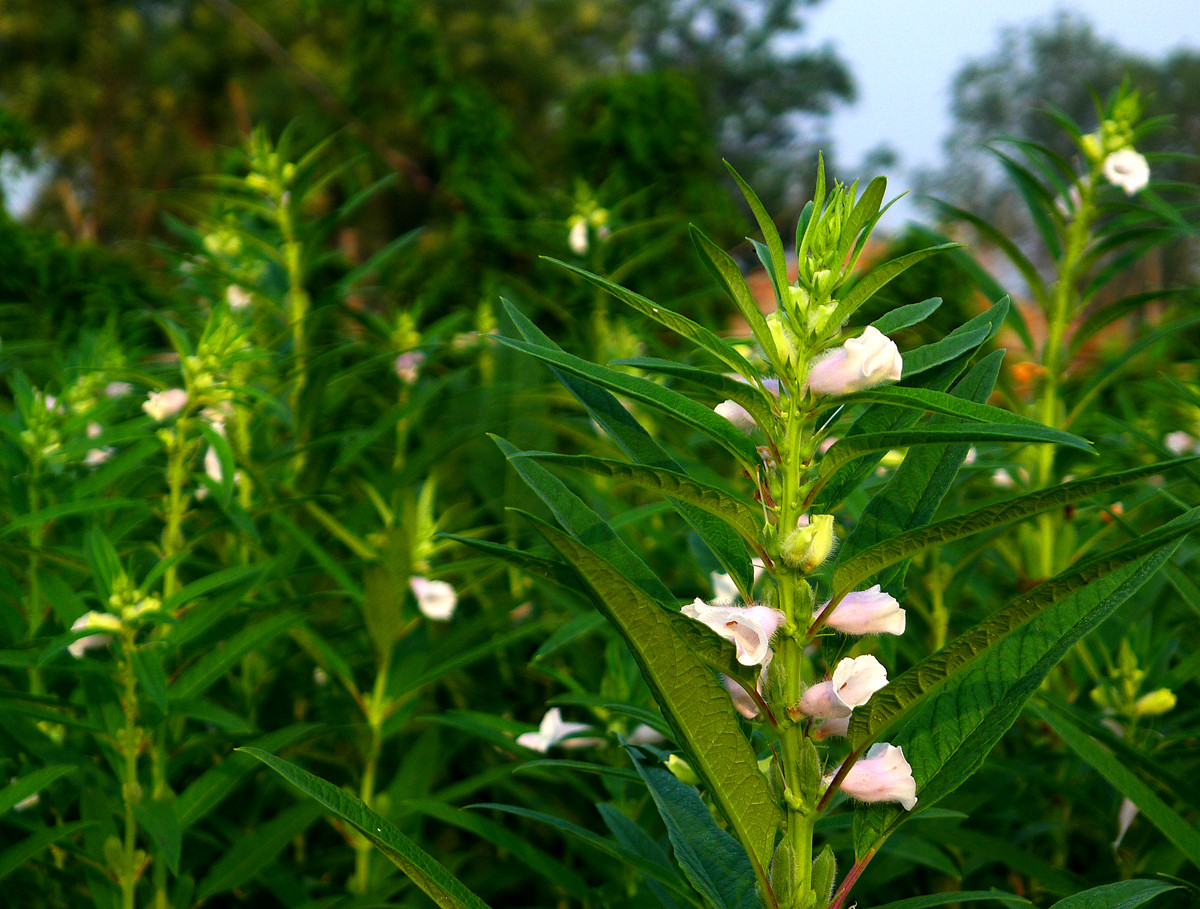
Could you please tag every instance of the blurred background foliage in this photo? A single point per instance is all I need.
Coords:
(466, 139)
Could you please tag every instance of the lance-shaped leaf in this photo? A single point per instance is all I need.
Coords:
(864, 215)
(947, 738)
(727, 273)
(424, 870)
(905, 692)
(715, 501)
(748, 396)
(583, 523)
(810, 217)
(639, 446)
(918, 486)
(852, 573)
(1184, 836)
(681, 325)
(651, 394)
(926, 399)
(540, 567)
(1121, 895)
(878, 277)
(692, 700)
(855, 446)
(775, 262)
(713, 861)
(944, 365)
(906, 316)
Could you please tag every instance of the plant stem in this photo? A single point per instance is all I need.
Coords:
(130, 747)
(177, 502)
(297, 314)
(376, 712)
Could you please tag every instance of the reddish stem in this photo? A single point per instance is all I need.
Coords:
(851, 878)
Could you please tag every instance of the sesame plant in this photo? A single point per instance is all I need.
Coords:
(781, 722)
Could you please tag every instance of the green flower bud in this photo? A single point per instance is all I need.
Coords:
(809, 546)
(784, 338)
(1155, 703)
(682, 770)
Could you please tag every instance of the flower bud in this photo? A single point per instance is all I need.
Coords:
(749, 627)
(854, 681)
(883, 775)
(736, 414)
(577, 239)
(162, 405)
(1127, 169)
(103, 623)
(868, 611)
(553, 730)
(682, 770)
(784, 338)
(1155, 703)
(743, 703)
(863, 362)
(809, 545)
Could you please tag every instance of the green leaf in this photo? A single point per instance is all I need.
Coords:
(541, 863)
(959, 896)
(424, 870)
(639, 446)
(727, 273)
(31, 783)
(583, 523)
(902, 694)
(1121, 895)
(16, 856)
(681, 325)
(215, 663)
(540, 567)
(712, 860)
(777, 262)
(853, 572)
(71, 509)
(157, 817)
(1183, 835)
(651, 394)
(949, 736)
(743, 393)
(147, 664)
(918, 486)
(693, 701)
(878, 277)
(630, 857)
(1110, 312)
(925, 399)
(252, 853)
(952, 347)
(906, 316)
(855, 446)
(631, 836)
(864, 214)
(671, 483)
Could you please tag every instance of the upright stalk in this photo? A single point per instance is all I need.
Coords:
(177, 502)
(376, 713)
(130, 745)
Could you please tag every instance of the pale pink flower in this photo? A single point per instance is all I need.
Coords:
(1125, 815)
(408, 366)
(749, 627)
(644, 734)
(238, 298)
(212, 465)
(723, 586)
(436, 599)
(577, 238)
(1180, 443)
(117, 389)
(854, 681)
(1127, 169)
(839, 725)
(553, 730)
(863, 362)
(97, 456)
(743, 703)
(736, 414)
(868, 611)
(883, 775)
(162, 405)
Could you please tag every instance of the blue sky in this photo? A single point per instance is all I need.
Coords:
(903, 55)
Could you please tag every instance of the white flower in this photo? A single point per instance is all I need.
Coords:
(577, 239)
(972, 454)
(854, 681)
(839, 725)
(748, 627)
(883, 775)
(1180, 443)
(863, 362)
(212, 465)
(868, 611)
(551, 731)
(1125, 815)
(436, 599)
(117, 389)
(28, 802)
(736, 414)
(94, 429)
(162, 405)
(723, 586)
(743, 702)
(1127, 169)
(644, 734)
(238, 298)
(97, 456)
(408, 366)
(101, 622)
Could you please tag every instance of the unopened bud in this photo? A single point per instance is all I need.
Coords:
(1155, 703)
(809, 546)
(682, 770)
